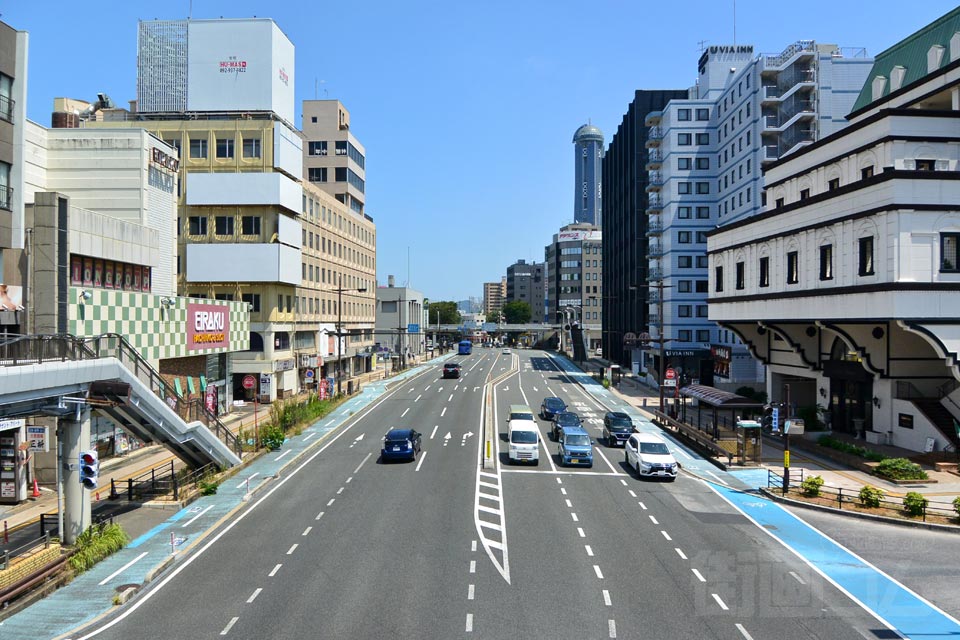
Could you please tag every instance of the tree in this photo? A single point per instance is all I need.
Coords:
(447, 310)
(494, 316)
(517, 312)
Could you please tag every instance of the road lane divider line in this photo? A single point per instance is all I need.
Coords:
(423, 456)
(699, 575)
(473, 546)
(743, 632)
(623, 482)
(292, 549)
(367, 457)
(307, 531)
(569, 504)
(588, 550)
(253, 596)
(191, 520)
(653, 520)
(581, 533)
(122, 569)
(666, 535)
(273, 572)
(332, 500)
(575, 518)
(469, 627)
(340, 490)
(434, 432)
(405, 411)
(229, 626)
(606, 598)
(604, 458)
(473, 566)
(350, 479)
(633, 493)
(642, 506)
(720, 602)
(563, 491)
(680, 553)
(470, 592)
(417, 399)
(612, 628)
(596, 570)
(319, 515)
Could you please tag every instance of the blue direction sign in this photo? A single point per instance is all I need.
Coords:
(413, 328)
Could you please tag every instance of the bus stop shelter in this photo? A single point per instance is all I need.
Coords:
(721, 414)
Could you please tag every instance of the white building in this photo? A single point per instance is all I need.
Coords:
(846, 285)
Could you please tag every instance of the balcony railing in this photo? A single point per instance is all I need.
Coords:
(655, 156)
(6, 108)
(654, 202)
(6, 198)
(654, 136)
(654, 226)
(655, 179)
(654, 275)
(655, 250)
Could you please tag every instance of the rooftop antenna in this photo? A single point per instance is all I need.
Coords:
(703, 45)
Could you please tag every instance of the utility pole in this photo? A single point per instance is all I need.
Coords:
(340, 290)
(786, 443)
(662, 369)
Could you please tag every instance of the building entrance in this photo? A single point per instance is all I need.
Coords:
(851, 391)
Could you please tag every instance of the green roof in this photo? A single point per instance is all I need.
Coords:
(911, 54)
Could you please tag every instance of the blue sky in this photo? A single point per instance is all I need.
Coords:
(467, 110)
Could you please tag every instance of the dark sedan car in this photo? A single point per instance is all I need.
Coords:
(617, 427)
(564, 419)
(451, 370)
(551, 407)
(400, 444)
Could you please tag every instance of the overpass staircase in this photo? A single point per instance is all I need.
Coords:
(38, 371)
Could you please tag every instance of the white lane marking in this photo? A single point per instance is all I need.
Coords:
(623, 482)
(642, 506)
(680, 552)
(743, 631)
(332, 500)
(250, 477)
(307, 531)
(310, 435)
(427, 388)
(361, 463)
(122, 569)
(274, 571)
(699, 575)
(418, 397)
(666, 535)
(434, 432)
(589, 550)
(470, 592)
(229, 626)
(423, 456)
(340, 490)
(473, 566)
(190, 521)
(653, 520)
(456, 386)
(799, 579)
(319, 515)
(574, 516)
(444, 412)
(405, 412)
(580, 531)
(448, 400)
(683, 453)
(569, 504)
(606, 598)
(609, 464)
(711, 473)
(559, 481)
(633, 494)
(612, 628)
(563, 491)
(254, 595)
(292, 549)
(565, 472)
(596, 570)
(350, 479)
(720, 602)
(473, 545)
(469, 627)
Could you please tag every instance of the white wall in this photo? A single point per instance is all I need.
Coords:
(243, 263)
(218, 189)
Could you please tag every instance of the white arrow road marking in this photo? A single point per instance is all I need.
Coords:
(535, 389)
(506, 388)
(475, 388)
(446, 438)
(463, 441)
(356, 440)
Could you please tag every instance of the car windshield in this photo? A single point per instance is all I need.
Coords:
(523, 437)
(521, 416)
(653, 447)
(578, 440)
(555, 404)
(568, 419)
(620, 424)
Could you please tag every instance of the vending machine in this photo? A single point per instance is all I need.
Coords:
(13, 462)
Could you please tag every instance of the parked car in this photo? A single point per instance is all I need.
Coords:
(551, 406)
(617, 427)
(564, 419)
(649, 455)
(451, 370)
(575, 447)
(400, 444)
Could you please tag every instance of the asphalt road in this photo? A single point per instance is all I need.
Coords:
(437, 548)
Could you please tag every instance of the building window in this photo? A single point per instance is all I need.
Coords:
(198, 225)
(703, 163)
(702, 286)
(683, 164)
(718, 279)
(703, 138)
(683, 237)
(250, 225)
(703, 335)
(703, 188)
(804, 194)
(683, 114)
(317, 148)
(833, 184)
(684, 139)
(826, 262)
(340, 174)
(765, 271)
(684, 310)
(683, 212)
(702, 262)
(703, 115)
(198, 148)
(683, 188)
(701, 237)
(948, 251)
(741, 276)
(701, 311)
(225, 147)
(223, 225)
(778, 203)
(926, 165)
(317, 174)
(703, 213)
(793, 267)
(865, 256)
(684, 335)
(684, 262)
(684, 286)
(866, 172)
(251, 148)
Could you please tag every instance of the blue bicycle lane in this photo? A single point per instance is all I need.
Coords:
(90, 595)
(893, 604)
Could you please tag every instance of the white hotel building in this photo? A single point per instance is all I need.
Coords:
(846, 285)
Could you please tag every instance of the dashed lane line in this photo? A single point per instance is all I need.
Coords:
(653, 520)
(666, 535)
(612, 628)
(405, 411)
(743, 631)
(367, 457)
(292, 549)
(588, 550)
(469, 627)
(470, 592)
(606, 598)
(434, 432)
(596, 570)
(581, 533)
(253, 596)
(699, 575)
(423, 456)
(229, 626)
(122, 569)
(307, 531)
(720, 602)
(680, 553)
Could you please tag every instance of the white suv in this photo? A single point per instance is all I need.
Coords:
(648, 454)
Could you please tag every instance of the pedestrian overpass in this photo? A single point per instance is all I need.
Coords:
(47, 375)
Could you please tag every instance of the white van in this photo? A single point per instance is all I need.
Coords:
(523, 435)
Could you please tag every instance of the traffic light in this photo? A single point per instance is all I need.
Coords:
(89, 469)
(771, 417)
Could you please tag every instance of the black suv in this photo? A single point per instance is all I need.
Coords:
(451, 370)
(564, 419)
(617, 427)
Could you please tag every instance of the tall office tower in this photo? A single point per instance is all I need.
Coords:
(625, 228)
(334, 160)
(587, 160)
(525, 284)
(493, 295)
(744, 112)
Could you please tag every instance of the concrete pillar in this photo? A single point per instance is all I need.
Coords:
(75, 438)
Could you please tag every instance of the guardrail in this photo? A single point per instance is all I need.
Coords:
(9, 554)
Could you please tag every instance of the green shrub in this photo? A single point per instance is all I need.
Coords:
(271, 436)
(208, 488)
(875, 456)
(900, 469)
(914, 503)
(95, 544)
(845, 447)
(956, 505)
(811, 486)
(606, 383)
(871, 496)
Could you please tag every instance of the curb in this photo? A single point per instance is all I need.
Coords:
(930, 526)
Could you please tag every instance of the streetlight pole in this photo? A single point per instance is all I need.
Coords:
(663, 354)
(340, 291)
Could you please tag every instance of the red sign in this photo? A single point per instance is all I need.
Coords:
(211, 399)
(249, 382)
(670, 374)
(208, 326)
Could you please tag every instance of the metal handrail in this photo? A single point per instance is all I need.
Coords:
(11, 554)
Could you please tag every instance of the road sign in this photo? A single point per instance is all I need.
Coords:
(670, 378)
(413, 328)
(249, 382)
(308, 374)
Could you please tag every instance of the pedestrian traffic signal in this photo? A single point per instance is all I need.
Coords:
(89, 469)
